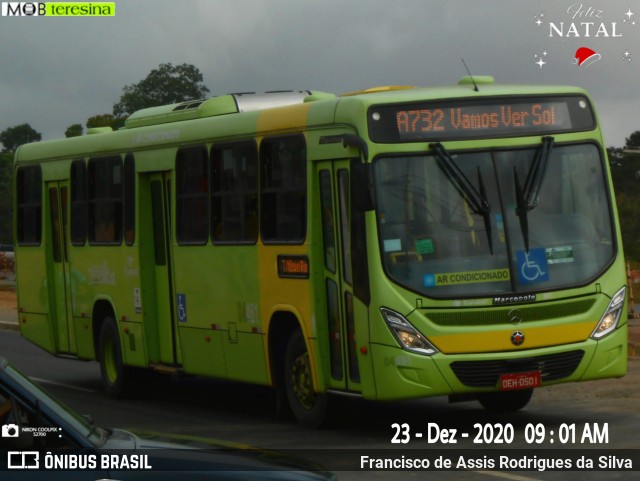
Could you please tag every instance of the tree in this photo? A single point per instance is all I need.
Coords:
(14, 137)
(105, 120)
(102, 120)
(165, 85)
(74, 130)
(633, 141)
(624, 173)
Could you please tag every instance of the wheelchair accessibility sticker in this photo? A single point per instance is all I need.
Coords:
(182, 307)
(532, 266)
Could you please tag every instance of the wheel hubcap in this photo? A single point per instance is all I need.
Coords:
(110, 367)
(302, 384)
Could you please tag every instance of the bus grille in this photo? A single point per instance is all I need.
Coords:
(500, 315)
(487, 373)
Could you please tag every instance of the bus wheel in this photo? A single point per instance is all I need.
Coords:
(308, 406)
(505, 401)
(110, 357)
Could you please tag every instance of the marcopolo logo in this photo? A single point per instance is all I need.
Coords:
(58, 9)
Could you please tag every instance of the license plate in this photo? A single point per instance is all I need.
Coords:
(520, 380)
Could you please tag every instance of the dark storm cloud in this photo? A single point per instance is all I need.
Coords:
(60, 71)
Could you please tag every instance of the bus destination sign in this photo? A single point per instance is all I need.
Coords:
(488, 118)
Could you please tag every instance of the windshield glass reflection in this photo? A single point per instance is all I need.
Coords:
(434, 241)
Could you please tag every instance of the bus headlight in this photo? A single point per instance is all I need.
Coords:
(407, 336)
(611, 316)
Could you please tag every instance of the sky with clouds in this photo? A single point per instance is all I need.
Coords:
(55, 72)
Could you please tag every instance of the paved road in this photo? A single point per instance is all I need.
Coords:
(245, 414)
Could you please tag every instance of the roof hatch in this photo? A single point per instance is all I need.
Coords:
(476, 80)
(214, 106)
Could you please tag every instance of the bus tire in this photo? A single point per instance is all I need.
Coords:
(308, 406)
(112, 370)
(505, 401)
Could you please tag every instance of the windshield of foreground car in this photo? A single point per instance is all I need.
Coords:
(47, 404)
(436, 242)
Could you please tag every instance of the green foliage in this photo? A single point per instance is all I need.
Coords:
(102, 120)
(633, 141)
(14, 137)
(74, 130)
(105, 120)
(165, 85)
(625, 171)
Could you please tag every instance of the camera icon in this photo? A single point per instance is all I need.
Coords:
(10, 431)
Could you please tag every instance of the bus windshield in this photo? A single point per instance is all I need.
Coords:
(436, 242)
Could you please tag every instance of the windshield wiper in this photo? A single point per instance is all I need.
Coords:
(527, 198)
(476, 198)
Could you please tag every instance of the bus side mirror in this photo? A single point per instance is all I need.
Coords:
(362, 187)
(349, 140)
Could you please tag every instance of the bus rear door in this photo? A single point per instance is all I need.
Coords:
(160, 307)
(57, 254)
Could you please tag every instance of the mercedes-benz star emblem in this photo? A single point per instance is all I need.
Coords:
(515, 316)
(517, 338)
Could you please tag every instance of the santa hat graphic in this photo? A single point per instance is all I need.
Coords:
(585, 57)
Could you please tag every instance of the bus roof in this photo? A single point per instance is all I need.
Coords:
(237, 115)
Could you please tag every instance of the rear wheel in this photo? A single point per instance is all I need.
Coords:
(114, 373)
(308, 406)
(505, 401)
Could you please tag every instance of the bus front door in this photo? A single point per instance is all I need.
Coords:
(57, 252)
(333, 178)
(161, 309)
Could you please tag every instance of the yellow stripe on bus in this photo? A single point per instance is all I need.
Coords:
(495, 341)
(284, 118)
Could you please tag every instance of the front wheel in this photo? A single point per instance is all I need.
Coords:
(308, 406)
(505, 401)
(114, 374)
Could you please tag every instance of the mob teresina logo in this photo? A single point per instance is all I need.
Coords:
(517, 338)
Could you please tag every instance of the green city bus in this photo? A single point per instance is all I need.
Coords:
(391, 243)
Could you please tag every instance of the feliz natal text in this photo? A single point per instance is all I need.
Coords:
(585, 29)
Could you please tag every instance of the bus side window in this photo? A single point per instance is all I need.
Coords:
(192, 196)
(234, 193)
(129, 198)
(78, 202)
(29, 205)
(105, 200)
(283, 216)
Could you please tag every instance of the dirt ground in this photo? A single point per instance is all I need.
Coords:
(7, 298)
(8, 301)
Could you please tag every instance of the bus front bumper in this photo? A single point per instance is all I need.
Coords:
(402, 374)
